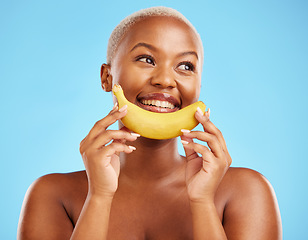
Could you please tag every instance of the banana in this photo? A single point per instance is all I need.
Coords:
(157, 125)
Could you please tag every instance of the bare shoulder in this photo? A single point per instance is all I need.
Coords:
(245, 179)
(251, 205)
(249, 185)
(58, 186)
(46, 205)
(58, 181)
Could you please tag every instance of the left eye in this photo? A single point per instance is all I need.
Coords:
(186, 66)
(146, 59)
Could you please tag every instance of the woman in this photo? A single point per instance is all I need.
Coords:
(139, 188)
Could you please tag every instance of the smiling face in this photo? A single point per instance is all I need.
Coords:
(158, 64)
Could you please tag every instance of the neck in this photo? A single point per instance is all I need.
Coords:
(152, 159)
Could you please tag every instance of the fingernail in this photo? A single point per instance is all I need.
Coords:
(184, 142)
(115, 105)
(185, 131)
(199, 111)
(122, 109)
(135, 134)
(208, 113)
(132, 147)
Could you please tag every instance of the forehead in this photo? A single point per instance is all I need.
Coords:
(163, 32)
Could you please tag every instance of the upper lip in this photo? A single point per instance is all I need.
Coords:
(161, 97)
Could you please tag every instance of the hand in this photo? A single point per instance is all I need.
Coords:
(100, 158)
(204, 173)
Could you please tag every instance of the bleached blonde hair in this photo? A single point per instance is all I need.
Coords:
(122, 28)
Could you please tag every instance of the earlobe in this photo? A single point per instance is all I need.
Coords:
(106, 78)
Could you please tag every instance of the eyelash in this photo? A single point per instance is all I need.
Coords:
(146, 57)
(152, 62)
(189, 64)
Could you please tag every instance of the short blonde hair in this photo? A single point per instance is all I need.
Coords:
(122, 28)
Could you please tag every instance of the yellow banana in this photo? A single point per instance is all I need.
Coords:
(157, 125)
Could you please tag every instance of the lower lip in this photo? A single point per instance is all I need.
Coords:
(156, 109)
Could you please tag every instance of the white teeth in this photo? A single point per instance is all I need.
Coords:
(157, 103)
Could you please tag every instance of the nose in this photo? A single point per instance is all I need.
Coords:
(163, 78)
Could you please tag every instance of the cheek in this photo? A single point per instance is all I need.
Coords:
(131, 80)
(190, 92)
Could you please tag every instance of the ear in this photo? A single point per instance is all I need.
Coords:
(106, 78)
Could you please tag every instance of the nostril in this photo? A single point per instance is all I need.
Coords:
(163, 77)
(163, 83)
(164, 86)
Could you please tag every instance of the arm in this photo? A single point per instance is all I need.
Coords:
(252, 211)
(206, 222)
(94, 218)
(43, 215)
(203, 176)
(102, 163)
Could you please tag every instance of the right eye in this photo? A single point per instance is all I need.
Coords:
(146, 59)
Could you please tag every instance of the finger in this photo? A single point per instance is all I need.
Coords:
(105, 156)
(210, 139)
(127, 130)
(190, 153)
(110, 119)
(207, 155)
(209, 159)
(120, 136)
(193, 166)
(115, 107)
(116, 148)
(209, 127)
(194, 162)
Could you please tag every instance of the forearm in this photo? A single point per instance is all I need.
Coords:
(93, 220)
(206, 222)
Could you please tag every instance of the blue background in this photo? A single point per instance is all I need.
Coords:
(254, 81)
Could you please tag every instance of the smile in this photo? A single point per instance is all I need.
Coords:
(158, 103)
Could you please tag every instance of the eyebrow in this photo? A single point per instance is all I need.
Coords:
(189, 53)
(142, 44)
(151, 47)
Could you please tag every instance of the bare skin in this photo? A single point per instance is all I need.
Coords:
(138, 188)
